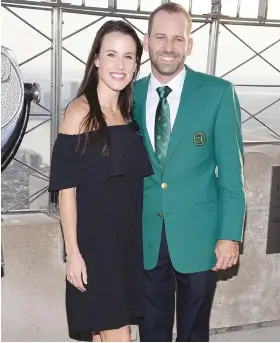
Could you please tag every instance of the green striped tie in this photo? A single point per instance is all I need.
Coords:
(162, 124)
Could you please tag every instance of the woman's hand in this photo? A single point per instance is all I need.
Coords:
(76, 271)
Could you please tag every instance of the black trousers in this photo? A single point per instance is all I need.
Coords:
(194, 294)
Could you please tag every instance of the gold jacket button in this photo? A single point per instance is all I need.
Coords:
(159, 214)
(164, 185)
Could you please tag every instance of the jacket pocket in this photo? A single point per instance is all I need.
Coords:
(206, 210)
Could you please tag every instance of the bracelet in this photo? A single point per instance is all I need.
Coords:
(78, 254)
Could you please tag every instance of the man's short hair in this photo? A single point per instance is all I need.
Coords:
(170, 7)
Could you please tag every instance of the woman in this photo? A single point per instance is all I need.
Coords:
(98, 166)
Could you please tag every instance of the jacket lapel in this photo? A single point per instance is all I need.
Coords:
(188, 106)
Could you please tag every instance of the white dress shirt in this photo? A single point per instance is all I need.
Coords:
(176, 84)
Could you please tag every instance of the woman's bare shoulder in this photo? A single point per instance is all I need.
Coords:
(74, 115)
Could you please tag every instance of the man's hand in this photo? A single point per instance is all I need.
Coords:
(227, 253)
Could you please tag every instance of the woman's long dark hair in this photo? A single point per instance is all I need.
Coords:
(95, 119)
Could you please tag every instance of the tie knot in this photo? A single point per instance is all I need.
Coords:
(164, 91)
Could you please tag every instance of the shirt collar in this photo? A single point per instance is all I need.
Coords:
(176, 84)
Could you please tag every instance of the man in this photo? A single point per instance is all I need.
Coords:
(194, 204)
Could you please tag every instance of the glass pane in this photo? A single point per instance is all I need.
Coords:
(96, 3)
(21, 38)
(231, 52)
(38, 18)
(273, 9)
(40, 0)
(72, 73)
(80, 43)
(198, 58)
(73, 22)
(258, 38)
(270, 116)
(36, 184)
(272, 55)
(38, 139)
(249, 9)
(73, 2)
(229, 7)
(254, 100)
(254, 72)
(39, 70)
(148, 5)
(201, 6)
(127, 5)
(142, 26)
(244, 114)
(184, 3)
(45, 101)
(145, 70)
(19, 181)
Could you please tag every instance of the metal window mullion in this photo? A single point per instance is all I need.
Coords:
(238, 8)
(43, 191)
(56, 77)
(39, 115)
(26, 4)
(68, 7)
(25, 211)
(43, 107)
(251, 85)
(262, 110)
(73, 55)
(259, 121)
(199, 28)
(34, 169)
(83, 28)
(136, 28)
(250, 23)
(213, 39)
(268, 106)
(269, 128)
(112, 4)
(190, 6)
(38, 193)
(145, 61)
(36, 126)
(35, 56)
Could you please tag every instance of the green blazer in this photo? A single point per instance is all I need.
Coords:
(199, 192)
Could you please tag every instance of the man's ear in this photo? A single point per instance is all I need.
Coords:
(190, 46)
(146, 42)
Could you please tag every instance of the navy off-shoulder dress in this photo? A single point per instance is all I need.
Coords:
(109, 224)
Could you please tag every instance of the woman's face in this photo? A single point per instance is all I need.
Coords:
(116, 61)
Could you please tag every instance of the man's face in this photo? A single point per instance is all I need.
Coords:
(168, 43)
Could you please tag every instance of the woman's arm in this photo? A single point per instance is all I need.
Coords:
(76, 268)
(68, 217)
